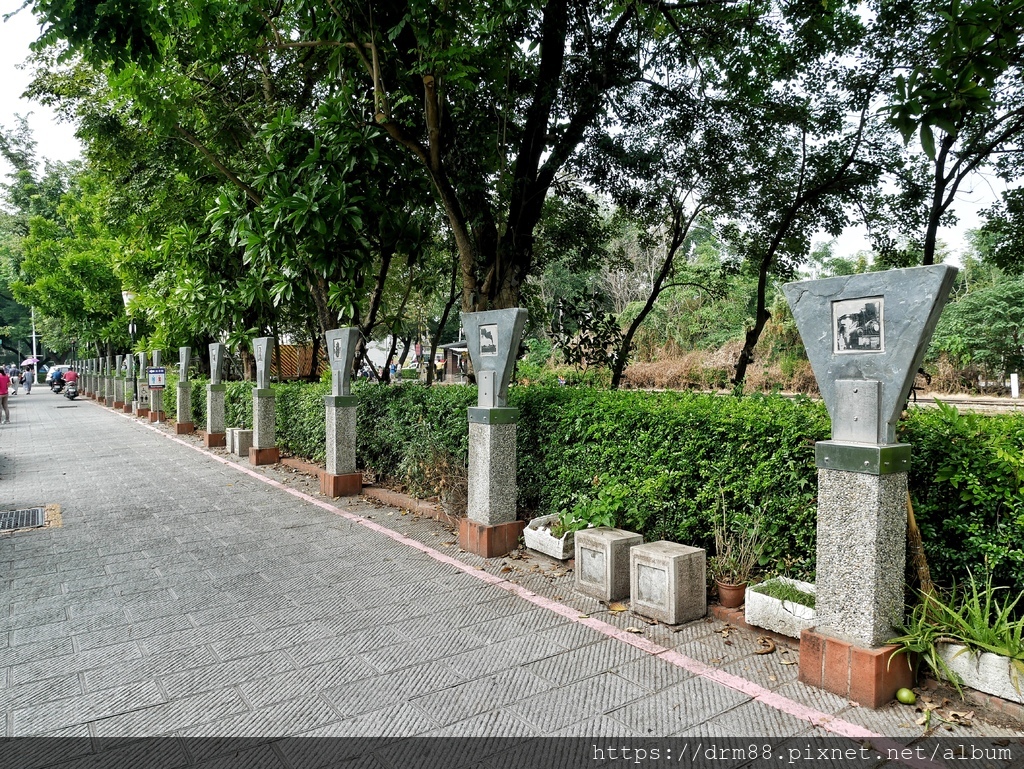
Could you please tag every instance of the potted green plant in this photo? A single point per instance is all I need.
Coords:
(970, 638)
(553, 535)
(736, 556)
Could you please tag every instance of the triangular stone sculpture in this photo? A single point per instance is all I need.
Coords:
(864, 329)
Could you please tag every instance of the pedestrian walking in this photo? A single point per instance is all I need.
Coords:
(5, 386)
(15, 376)
(27, 378)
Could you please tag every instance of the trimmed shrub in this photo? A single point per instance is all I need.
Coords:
(665, 461)
(967, 483)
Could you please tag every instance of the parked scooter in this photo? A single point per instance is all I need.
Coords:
(71, 390)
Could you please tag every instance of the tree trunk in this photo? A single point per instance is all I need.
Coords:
(761, 318)
(436, 338)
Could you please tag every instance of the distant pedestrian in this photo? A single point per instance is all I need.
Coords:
(27, 378)
(15, 376)
(5, 386)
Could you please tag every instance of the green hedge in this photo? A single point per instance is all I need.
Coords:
(967, 483)
(664, 461)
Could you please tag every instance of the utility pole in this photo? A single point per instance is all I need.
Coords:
(34, 359)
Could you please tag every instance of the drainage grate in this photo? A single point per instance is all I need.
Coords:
(67, 407)
(29, 518)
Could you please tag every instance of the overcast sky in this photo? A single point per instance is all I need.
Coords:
(56, 141)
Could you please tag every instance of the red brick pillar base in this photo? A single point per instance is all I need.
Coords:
(215, 440)
(143, 414)
(127, 407)
(184, 428)
(157, 416)
(269, 456)
(869, 677)
(345, 485)
(489, 541)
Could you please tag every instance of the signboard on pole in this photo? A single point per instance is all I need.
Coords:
(157, 378)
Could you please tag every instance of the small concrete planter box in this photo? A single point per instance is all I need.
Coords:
(668, 582)
(538, 536)
(602, 562)
(985, 672)
(787, 618)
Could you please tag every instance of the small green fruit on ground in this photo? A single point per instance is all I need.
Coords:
(906, 696)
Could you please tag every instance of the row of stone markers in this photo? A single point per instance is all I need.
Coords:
(866, 336)
(102, 381)
(113, 379)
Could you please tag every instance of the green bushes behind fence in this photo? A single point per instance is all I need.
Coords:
(666, 463)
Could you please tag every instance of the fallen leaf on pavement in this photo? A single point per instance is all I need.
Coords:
(765, 645)
(615, 607)
(634, 630)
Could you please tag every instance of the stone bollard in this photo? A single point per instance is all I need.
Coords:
(341, 478)
(108, 384)
(264, 449)
(118, 383)
(156, 396)
(490, 528)
(183, 422)
(602, 562)
(216, 392)
(128, 407)
(243, 442)
(98, 379)
(865, 336)
(668, 582)
(141, 405)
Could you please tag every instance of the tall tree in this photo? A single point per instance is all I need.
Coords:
(957, 87)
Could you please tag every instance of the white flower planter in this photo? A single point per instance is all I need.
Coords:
(784, 617)
(986, 672)
(537, 536)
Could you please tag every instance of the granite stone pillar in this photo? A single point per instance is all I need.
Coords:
(118, 383)
(490, 528)
(216, 392)
(183, 422)
(264, 449)
(156, 397)
(98, 391)
(866, 336)
(141, 406)
(129, 385)
(341, 478)
(108, 384)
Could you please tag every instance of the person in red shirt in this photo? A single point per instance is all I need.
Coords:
(70, 376)
(5, 388)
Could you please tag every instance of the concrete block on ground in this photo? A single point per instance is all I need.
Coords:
(243, 442)
(668, 581)
(602, 562)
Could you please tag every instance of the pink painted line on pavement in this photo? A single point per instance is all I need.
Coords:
(754, 690)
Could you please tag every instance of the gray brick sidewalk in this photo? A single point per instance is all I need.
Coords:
(183, 598)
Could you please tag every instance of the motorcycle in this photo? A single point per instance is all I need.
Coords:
(71, 391)
(57, 385)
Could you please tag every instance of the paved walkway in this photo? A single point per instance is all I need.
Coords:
(186, 596)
